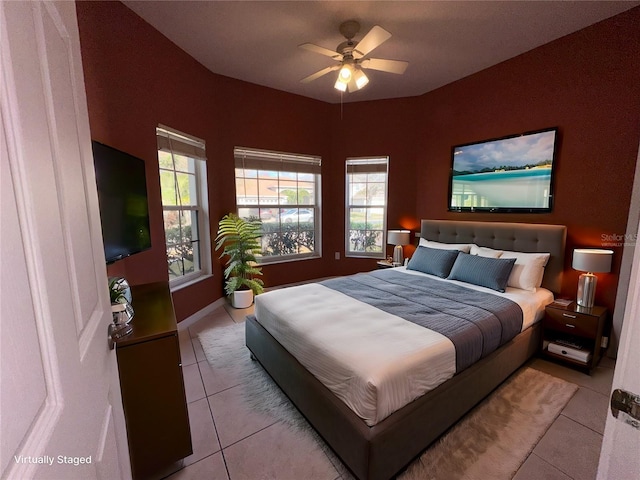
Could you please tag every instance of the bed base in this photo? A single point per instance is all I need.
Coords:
(381, 451)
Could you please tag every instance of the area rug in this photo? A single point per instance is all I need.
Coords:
(492, 441)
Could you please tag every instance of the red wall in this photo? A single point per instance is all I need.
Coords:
(587, 84)
(378, 128)
(136, 78)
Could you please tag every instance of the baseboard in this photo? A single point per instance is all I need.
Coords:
(203, 312)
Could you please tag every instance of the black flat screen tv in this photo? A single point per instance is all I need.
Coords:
(508, 174)
(122, 195)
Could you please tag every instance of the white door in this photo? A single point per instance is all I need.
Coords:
(620, 455)
(61, 415)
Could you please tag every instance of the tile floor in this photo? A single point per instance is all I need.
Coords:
(231, 442)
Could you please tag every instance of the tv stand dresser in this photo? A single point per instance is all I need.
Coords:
(152, 385)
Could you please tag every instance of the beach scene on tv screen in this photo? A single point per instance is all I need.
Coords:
(508, 173)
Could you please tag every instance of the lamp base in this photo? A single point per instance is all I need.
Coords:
(586, 290)
(398, 255)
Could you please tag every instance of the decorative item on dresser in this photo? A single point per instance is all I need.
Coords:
(574, 334)
(398, 238)
(152, 385)
(121, 309)
(590, 260)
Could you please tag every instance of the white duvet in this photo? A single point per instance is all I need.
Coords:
(375, 362)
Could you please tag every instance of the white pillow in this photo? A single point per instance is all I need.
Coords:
(528, 270)
(463, 247)
(485, 251)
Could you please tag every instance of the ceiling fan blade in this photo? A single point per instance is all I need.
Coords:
(320, 73)
(390, 66)
(376, 36)
(321, 50)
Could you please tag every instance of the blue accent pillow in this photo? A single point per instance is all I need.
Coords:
(433, 261)
(484, 271)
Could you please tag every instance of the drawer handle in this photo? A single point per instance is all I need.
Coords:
(569, 325)
(568, 315)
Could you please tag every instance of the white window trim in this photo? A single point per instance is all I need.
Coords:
(202, 194)
(363, 161)
(269, 157)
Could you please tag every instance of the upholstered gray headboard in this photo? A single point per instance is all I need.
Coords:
(520, 237)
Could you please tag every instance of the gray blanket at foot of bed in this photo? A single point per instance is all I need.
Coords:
(476, 322)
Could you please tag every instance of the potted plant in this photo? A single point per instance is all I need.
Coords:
(117, 287)
(239, 240)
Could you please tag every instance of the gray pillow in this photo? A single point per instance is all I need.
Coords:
(433, 261)
(484, 271)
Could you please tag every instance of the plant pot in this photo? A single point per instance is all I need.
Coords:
(242, 298)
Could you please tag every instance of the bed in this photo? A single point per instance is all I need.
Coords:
(378, 447)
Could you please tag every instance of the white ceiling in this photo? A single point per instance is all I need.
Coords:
(443, 41)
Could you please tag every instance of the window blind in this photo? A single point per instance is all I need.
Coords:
(170, 140)
(252, 159)
(367, 165)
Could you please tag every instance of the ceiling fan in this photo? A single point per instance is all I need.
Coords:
(351, 57)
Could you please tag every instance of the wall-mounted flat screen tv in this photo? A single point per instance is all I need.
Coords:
(122, 195)
(509, 174)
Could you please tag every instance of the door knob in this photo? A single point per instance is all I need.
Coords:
(625, 406)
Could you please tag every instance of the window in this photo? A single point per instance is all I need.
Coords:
(366, 206)
(183, 183)
(282, 190)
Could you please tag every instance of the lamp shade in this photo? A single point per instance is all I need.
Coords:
(360, 78)
(592, 260)
(340, 85)
(398, 237)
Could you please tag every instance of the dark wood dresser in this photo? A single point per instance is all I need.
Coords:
(152, 385)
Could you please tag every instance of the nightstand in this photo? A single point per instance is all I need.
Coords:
(573, 334)
(384, 264)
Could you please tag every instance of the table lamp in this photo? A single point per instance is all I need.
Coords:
(398, 238)
(590, 260)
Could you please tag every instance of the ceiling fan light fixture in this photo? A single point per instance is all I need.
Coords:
(345, 73)
(352, 57)
(360, 78)
(340, 85)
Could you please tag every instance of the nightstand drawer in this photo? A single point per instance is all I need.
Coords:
(573, 323)
(577, 354)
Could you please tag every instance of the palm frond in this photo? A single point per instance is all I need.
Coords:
(239, 240)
